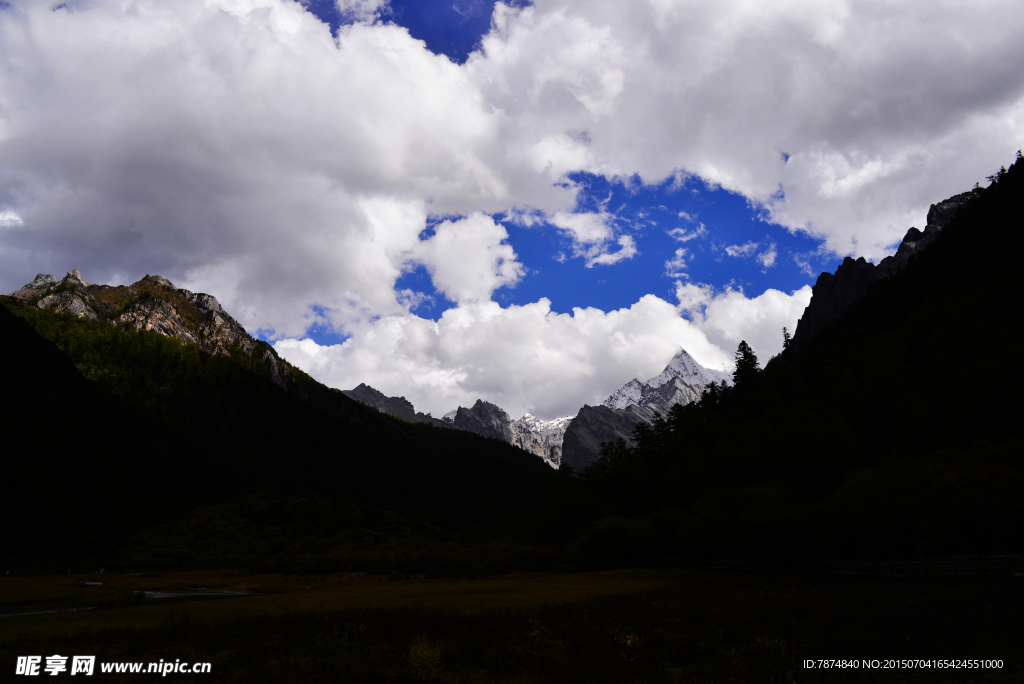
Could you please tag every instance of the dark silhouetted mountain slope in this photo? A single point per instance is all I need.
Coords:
(114, 431)
(833, 293)
(894, 430)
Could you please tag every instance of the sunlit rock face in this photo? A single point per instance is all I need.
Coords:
(154, 303)
(541, 437)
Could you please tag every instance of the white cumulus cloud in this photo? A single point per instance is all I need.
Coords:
(469, 259)
(729, 317)
(842, 119)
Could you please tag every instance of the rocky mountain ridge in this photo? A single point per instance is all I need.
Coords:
(539, 437)
(682, 382)
(154, 303)
(833, 293)
(575, 440)
(682, 373)
(399, 407)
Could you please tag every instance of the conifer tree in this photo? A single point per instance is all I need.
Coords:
(786, 338)
(746, 364)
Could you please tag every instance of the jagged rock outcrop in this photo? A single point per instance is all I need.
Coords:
(67, 303)
(832, 294)
(41, 282)
(541, 437)
(484, 419)
(400, 407)
(635, 402)
(69, 296)
(154, 303)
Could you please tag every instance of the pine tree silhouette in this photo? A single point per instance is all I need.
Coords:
(746, 364)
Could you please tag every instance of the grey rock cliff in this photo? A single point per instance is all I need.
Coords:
(595, 425)
(539, 437)
(832, 294)
(543, 438)
(69, 296)
(41, 282)
(484, 419)
(399, 407)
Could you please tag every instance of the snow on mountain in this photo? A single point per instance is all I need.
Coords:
(629, 394)
(683, 372)
(686, 368)
(541, 437)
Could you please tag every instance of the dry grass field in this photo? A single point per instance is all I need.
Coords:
(122, 601)
(627, 626)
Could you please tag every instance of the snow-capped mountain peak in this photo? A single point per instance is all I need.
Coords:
(664, 387)
(684, 367)
(630, 393)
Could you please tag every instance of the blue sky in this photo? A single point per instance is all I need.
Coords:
(712, 218)
(449, 27)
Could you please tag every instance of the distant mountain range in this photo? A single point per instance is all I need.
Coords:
(575, 440)
(154, 303)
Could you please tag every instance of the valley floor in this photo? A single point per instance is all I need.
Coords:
(614, 626)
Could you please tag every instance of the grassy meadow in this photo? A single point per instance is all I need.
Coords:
(118, 605)
(658, 625)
